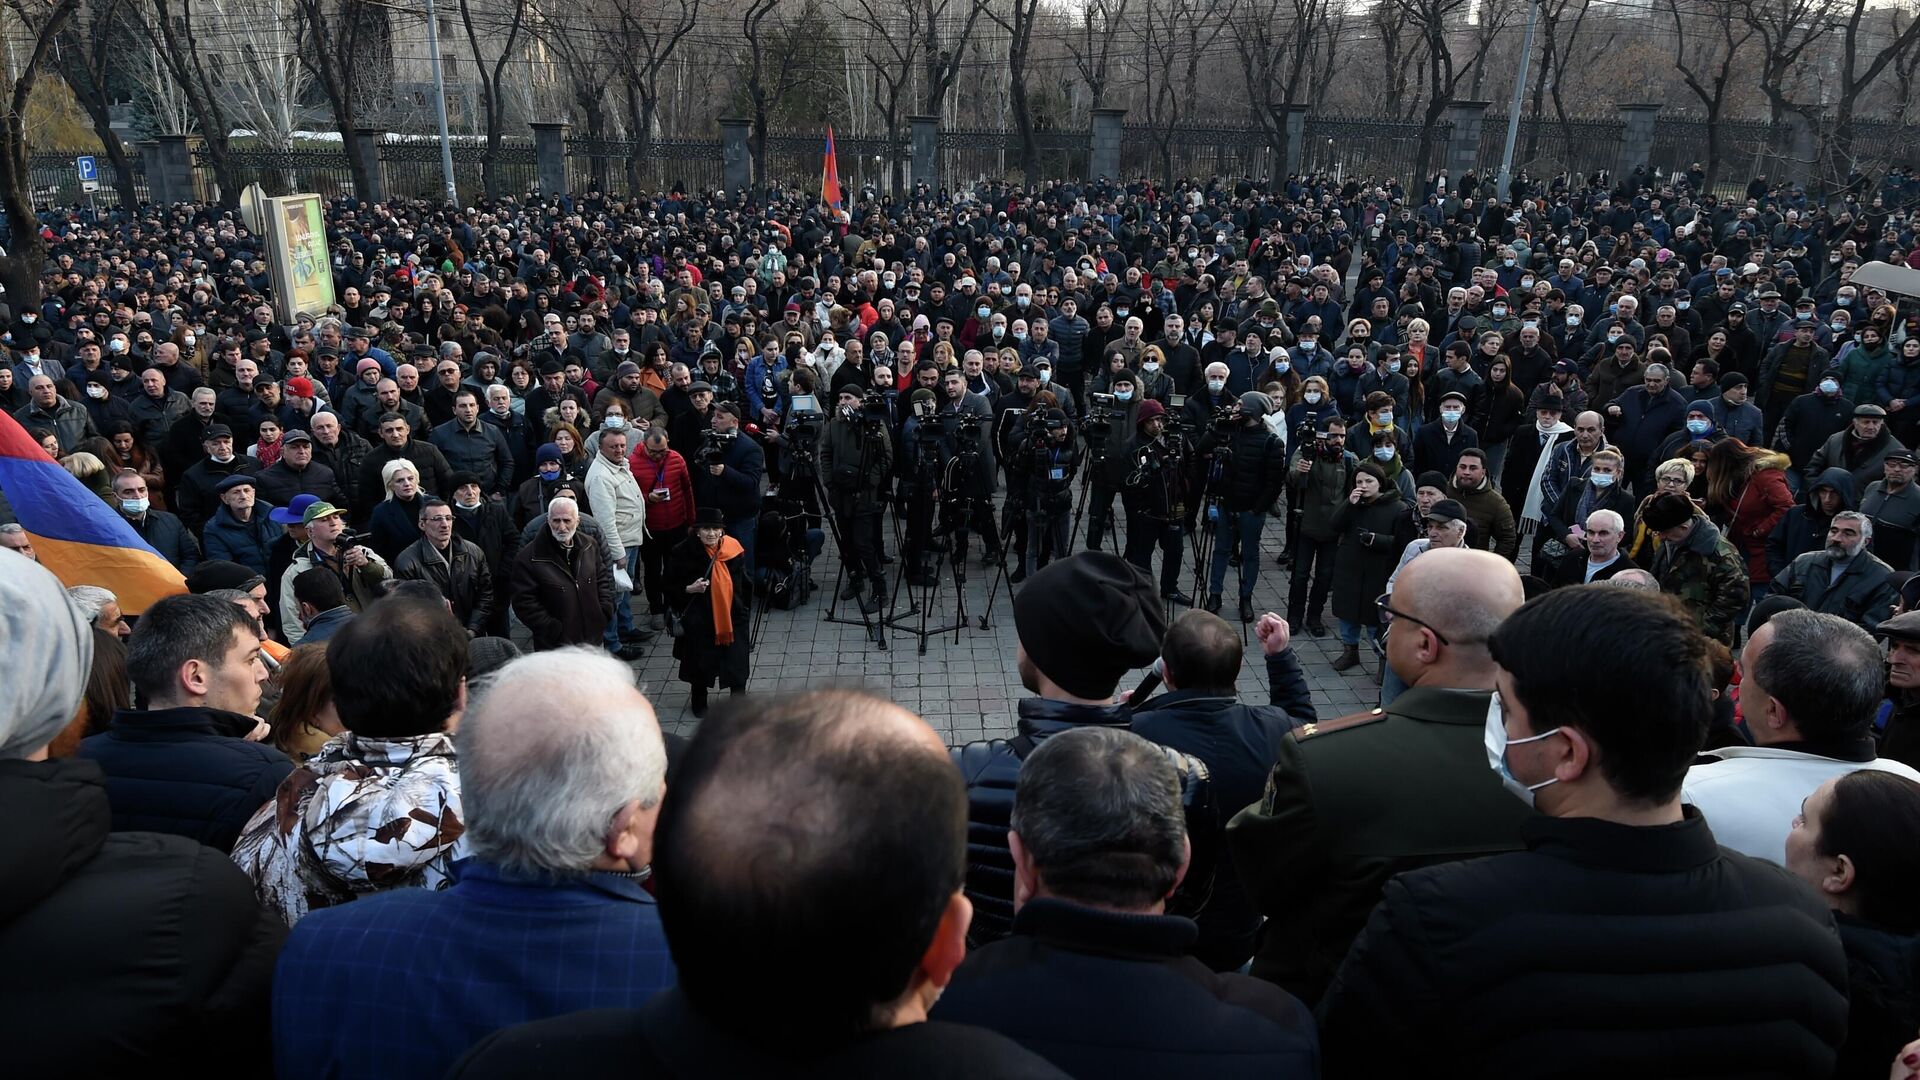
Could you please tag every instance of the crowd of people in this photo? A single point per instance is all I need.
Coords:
(1611, 482)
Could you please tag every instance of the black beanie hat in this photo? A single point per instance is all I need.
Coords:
(1087, 620)
(1668, 509)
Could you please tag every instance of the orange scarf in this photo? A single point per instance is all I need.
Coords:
(720, 587)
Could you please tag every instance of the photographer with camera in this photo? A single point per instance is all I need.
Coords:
(1319, 480)
(1111, 422)
(1153, 490)
(856, 457)
(330, 544)
(727, 472)
(1247, 483)
(968, 475)
(1045, 464)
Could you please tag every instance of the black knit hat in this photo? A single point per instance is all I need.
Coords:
(1668, 510)
(1087, 620)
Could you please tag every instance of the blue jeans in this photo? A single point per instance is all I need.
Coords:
(1350, 633)
(622, 621)
(1246, 525)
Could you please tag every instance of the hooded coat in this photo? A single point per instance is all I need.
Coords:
(362, 815)
(1804, 527)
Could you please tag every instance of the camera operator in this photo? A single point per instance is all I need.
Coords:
(727, 471)
(1320, 478)
(1201, 714)
(1044, 467)
(856, 456)
(1153, 490)
(1248, 483)
(332, 545)
(1110, 425)
(968, 475)
(919, 479)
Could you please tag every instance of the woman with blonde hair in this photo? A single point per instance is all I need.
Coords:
(1675, 476)
(304, 719)
(395, 523)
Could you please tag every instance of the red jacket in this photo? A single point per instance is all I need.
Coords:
(677, 509)
(1756, 510)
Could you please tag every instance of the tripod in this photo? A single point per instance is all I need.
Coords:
(843, 545)
(920, 597)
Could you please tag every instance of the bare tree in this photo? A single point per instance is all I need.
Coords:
(649, 35)
(1433, 22)
(501, 31)
(340, 41)
(1018, 21)
(265, 81)
(585, 49)
(185, 58)
(773, 48)
(1707, 38)
(1276, 41)
(1787, 29)
(1860, 65)
(1905, 69)
(1091, 45)
(89, 54)
(1388, 21)
(944, 52)
(890, 48)
(39, 27)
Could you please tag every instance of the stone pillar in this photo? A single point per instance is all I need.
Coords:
(926, 150)
(736, 161)
(1108, 129)
(149, 151)
(170, 171)
(550, 157)
(1296, 142)
(1802, 146)
(1636, 144)
(1463, 146)
(366, 150)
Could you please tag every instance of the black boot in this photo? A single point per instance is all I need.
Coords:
(699, 703)
(1349, 657)
(1213, 603)
(1316, 627)
(1246, 609)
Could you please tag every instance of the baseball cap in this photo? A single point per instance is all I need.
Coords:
(318, 510)
(1447, 510)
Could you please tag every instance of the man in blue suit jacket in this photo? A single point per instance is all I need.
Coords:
(562, 770)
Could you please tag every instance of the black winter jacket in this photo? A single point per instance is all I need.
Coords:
(185, 771)
(462, 576)
(1600, 949)
(991, 769)
(279, 483)
(1257, 472)
(1104, 994)
(129, 952)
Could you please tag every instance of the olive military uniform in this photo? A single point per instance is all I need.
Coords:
(1352, 802)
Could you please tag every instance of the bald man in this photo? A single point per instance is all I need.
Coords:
(1353, 801)
(770, 978)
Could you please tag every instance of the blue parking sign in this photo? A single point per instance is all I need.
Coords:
(88, 169)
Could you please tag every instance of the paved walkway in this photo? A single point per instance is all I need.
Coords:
(966, 683)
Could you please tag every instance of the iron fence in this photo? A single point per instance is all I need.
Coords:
(1543, 147)
(1172, 151)
(1360, 147)
(662, 165)
(280, 170)
(55, 179)
(415, 170)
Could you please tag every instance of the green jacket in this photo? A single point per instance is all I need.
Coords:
(1709, 575)
(1351, 803)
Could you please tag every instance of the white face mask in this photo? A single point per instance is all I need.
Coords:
(1497, 744)
(1216, 385)
(1312, 397)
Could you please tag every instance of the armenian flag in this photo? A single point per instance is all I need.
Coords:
(76, 535)
(830, 192)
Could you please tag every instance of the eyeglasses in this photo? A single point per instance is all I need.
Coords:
(1384, 602)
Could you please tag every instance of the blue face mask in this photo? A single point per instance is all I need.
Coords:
(134, 506)
(1383, 453)
(1123, 395)
(1602, 480)
(1699, 427)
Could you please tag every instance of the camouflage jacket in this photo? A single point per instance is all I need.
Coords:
(1709, 575)
(362, 815)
